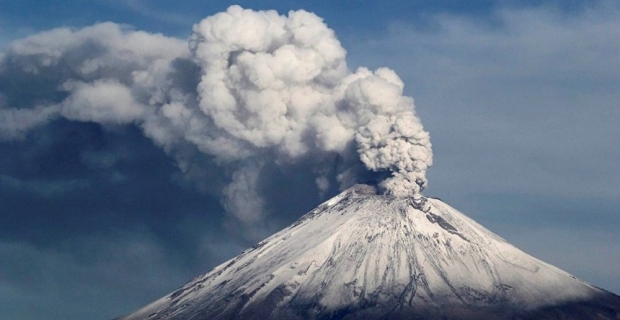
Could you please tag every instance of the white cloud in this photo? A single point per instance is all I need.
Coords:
(17, 122)
(102, 101)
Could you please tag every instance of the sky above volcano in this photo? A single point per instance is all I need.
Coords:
(520, 99)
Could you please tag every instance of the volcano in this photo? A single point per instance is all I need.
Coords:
(362, 255)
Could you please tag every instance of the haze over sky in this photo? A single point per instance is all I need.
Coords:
(520, 98)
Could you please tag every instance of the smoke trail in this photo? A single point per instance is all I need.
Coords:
(254, 87)
(285, 84)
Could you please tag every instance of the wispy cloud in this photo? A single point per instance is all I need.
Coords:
(46, 189)
(106, 269)
(544, 83)
(145, 9)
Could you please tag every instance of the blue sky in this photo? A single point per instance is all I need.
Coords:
(520, 99)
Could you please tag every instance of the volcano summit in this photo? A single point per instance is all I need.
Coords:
(361, 255)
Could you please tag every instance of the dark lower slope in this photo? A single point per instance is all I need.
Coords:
(606, 306)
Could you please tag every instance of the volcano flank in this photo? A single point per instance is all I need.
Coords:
(361, 255)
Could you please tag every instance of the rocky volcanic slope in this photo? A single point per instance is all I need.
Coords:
(366, 256)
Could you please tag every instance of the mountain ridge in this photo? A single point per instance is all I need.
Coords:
(361, 255)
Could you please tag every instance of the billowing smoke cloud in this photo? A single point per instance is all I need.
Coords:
(252, 89)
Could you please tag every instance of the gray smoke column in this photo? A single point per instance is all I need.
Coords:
(271, 81)
(253, 89)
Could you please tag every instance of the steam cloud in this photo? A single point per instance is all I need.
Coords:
(251, 88)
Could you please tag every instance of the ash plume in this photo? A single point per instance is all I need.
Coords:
(252, 90)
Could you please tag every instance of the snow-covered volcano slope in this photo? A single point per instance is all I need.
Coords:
(366, 256)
